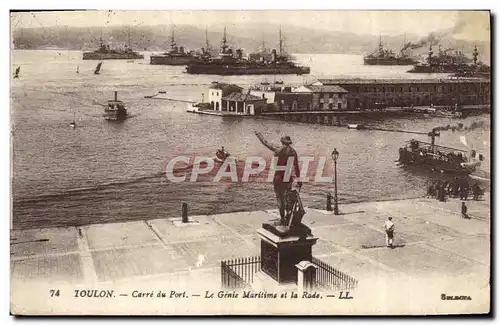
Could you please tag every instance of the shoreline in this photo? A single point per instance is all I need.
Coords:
(237, 211)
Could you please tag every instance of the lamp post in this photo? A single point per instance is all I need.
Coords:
(335, 156)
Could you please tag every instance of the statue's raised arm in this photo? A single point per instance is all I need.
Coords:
(270, 146)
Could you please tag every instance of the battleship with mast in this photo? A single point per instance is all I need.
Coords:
(104, 52)
(384, 56)
(458, 63)
(229, 63)
(178, 56)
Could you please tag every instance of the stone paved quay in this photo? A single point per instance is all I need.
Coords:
(432, 236)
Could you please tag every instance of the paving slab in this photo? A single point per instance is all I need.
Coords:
(210, 253)
(45, 241)
(246, 222)
(63, 268)
(354, 236)
(316, 218)
(325, 247)
(137, 261)
(420, 260)
(205, 228)
(477, 249)
(105, 236)
(356, 267)
(475, 208)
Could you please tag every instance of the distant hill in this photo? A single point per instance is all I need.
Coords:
(246, 36)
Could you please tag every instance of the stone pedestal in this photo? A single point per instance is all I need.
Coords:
(281, 251)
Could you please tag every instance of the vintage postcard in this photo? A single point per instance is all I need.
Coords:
(250, 162)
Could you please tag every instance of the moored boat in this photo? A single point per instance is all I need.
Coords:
(439, 158)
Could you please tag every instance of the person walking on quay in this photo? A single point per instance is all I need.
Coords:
(464, 211)
(442, 192)
(476, 191)
(455, 187)
(389, 232)
(464, 190)
(281, 185)
(430, 189)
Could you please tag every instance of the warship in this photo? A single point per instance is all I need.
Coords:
(104, 52)
(177, 55)
(443, 62)
(474, 70)
(226, 63)
(383, 56)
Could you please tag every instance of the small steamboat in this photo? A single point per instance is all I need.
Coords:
(115, 110)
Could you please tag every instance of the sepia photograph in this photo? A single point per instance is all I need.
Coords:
(250, 162)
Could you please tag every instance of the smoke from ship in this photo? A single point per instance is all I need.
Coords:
(461, 127)
(431, 39)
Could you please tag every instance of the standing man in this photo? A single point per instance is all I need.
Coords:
(389, 231)
(281, 185)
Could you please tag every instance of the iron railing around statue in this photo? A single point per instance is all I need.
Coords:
(329, 278)
(239, 272)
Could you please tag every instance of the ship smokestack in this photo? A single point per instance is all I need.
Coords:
(116, 96)
(273, 55)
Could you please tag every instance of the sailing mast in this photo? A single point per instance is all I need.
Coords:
(207, 44)
(172, 38)
(224, 45)
(380, 45)
(281, 43)
(128, 37)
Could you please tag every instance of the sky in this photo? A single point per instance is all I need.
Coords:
(463, 24)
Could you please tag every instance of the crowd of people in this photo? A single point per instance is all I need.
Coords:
(458, 187)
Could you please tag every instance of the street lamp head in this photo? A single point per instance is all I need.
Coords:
(335, 154)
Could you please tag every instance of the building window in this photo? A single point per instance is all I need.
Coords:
(418, 89)
(383, 89)
(308, 106)
(340, 96)
(339, 105)
(330, 106)
(212, 105)
(217, 106)
(330, 95)
(295, 105)
(217, 93)
(321, 105)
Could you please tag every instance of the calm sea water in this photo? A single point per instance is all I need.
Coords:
(105, 172)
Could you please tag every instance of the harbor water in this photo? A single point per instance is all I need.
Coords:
(107, 172)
